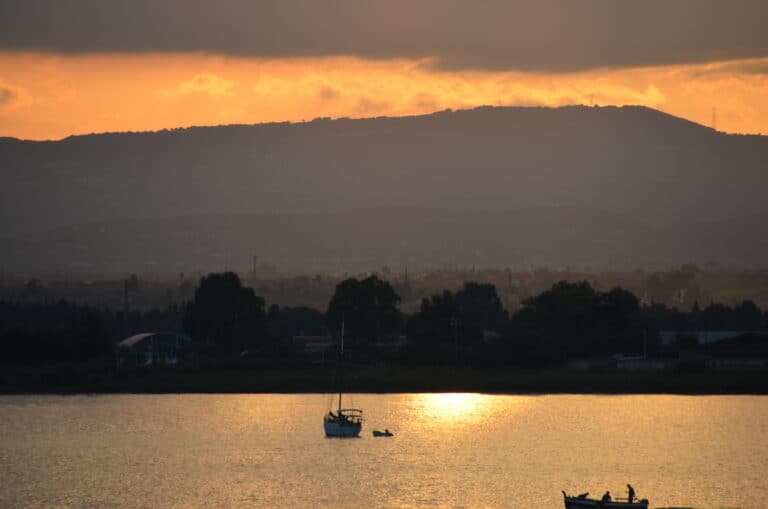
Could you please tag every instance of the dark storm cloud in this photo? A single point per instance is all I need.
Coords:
(557, 35)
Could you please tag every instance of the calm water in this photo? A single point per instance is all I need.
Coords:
(449, 450)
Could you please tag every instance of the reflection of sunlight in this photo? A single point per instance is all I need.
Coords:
(458, 407)
(451, 405)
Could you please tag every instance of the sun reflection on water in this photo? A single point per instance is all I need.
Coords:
(459, 407)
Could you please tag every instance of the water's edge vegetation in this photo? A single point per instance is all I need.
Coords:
(570, 338)
(381, 379)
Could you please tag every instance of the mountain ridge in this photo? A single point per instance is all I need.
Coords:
(182, 129)
(650, 168)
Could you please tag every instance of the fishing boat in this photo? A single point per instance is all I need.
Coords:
(345, 422)
(385, 433)
(584, 502)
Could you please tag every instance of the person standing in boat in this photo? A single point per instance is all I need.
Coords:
(630, 493)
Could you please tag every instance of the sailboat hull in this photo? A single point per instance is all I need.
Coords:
(346, 430)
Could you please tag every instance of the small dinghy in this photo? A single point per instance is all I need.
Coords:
(583, 502)
(385, 433)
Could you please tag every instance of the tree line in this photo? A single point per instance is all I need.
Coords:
(469, 326)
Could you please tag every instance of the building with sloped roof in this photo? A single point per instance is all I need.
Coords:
(154, 349)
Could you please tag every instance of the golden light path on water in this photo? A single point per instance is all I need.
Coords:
(464, 408)
(448, 450)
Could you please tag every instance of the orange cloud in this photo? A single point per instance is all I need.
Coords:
(74, 94)
(203, 83)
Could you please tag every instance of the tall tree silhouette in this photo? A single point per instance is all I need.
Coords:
(368, 307)
(225, 313)
(480, 309)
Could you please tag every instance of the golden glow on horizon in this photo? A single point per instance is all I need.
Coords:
(51, 96)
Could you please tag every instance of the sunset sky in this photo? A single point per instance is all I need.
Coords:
(91, 66)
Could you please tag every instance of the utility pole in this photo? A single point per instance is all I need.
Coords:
(125, 308)
(645, 343)
(455, 324)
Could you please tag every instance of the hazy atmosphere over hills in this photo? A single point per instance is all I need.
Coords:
(601, 187)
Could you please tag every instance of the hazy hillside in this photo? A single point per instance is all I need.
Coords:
(616, 187)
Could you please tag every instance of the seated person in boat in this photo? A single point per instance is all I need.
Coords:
(606, 497)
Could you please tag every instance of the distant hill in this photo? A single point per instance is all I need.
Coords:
(581, 186)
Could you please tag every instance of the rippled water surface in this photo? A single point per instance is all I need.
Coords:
(449, 450)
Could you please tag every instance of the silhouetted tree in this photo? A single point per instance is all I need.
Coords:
(659, 317)
(435, 324)
(449, 324)
(480, 309)
(747, 316)
(566, 308)
(572, 320)
(617, 307)
(287, 322)
(716, 316)
(52, 332)
(368, 308)
(225, 313)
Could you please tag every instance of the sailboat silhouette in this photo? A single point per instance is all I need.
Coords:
(345, 422)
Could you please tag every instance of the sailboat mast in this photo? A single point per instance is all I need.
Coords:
(341, 372)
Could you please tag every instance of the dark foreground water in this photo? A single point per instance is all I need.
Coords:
(449, 450)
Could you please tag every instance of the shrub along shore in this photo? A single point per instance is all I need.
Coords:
(379, 379)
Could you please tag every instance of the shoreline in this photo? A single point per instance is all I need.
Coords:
(50, 380)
